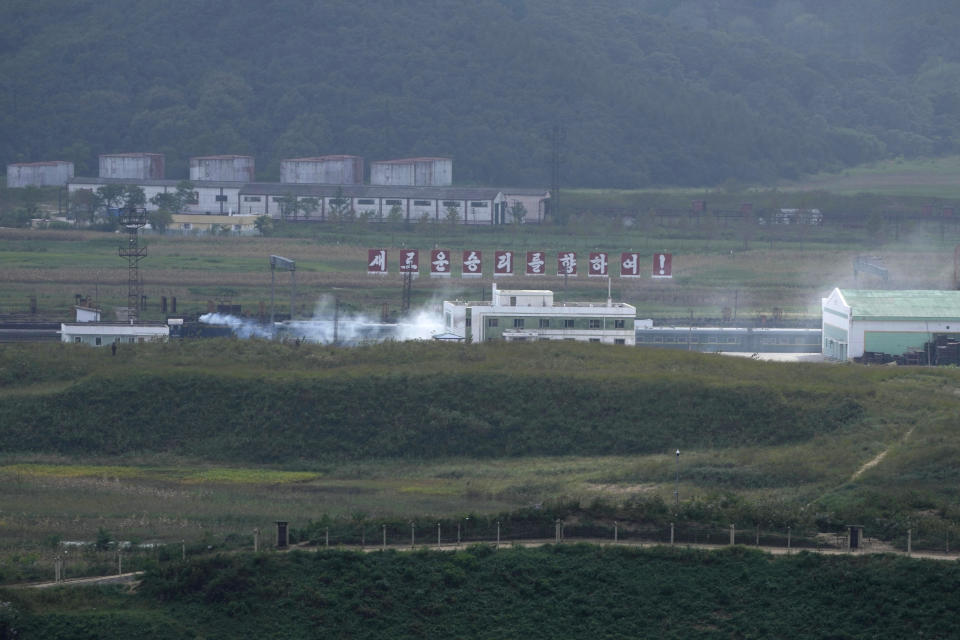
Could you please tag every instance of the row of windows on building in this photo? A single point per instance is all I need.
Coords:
(369, 201)
(694, 339)
(544, 323)
(116, 340)
(545, 339)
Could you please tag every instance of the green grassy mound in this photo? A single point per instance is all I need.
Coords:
(421, 401)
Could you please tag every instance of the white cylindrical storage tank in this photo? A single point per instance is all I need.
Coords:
(322, 170)
(39, 174)
(226, 168)
(413, 172)
(433, 172)
(392, 173)
(132, 166)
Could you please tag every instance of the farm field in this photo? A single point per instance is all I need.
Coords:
(201, 272)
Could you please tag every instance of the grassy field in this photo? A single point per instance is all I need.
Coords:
(816, 479)
(709, 275)
(925, 177)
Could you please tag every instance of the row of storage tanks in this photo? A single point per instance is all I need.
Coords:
(334, 169)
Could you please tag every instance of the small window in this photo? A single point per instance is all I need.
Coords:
(493, 322)
(595, 323)
(478, 205)
(336, 202)
(366, 201)
(518, 323)
(187, 226)
(422, 203)
(513, 301)
(277, 198)
(392, 203)
(451, 203)
(568, 323)
(236, 227)
(221, 198)
(77, 340)
(251, 198)
(594, 339)
(544, 323)
(618, 324)
(131, 340)
(619, 341)
(99, 341)
(194, 197)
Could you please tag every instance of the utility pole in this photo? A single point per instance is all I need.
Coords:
(558, 136)
(676, 491)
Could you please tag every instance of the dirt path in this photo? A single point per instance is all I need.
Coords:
(880, 456)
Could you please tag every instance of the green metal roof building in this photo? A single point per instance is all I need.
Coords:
(886, 321)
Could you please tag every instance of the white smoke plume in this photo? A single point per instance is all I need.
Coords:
(328, 327)
(242, 327)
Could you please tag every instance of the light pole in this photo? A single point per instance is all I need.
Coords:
(676, 491)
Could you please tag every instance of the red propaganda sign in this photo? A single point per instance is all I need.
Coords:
(599, 265)
(410, 261)
(440, 263)
(472, 264)
(567, 264)
(376, 261)
(503, 263)
(629, 265)
(536, 263)
(662, 265)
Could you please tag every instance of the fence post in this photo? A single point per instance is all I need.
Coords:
(909, 541)
(671, 533)
(758, 535)
(119, 561)
(438, 535)
(556, 532)
(412, 536)
(498, 534)
(615, 532)
(733, 535)
(384, 537)
(326, 537)
(788, 540)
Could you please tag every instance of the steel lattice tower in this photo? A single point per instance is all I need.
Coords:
(133, 219)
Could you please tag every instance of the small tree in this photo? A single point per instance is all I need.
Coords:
(111, 196)
(339, 207)
(84, 205)
(395, 216)
(103, 540)
(518, 212)
(160, 219)
(263, 224)
(185, 194)
(453, 215)
(308, 206)
(134, 196)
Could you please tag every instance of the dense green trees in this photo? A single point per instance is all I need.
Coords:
(650, 92)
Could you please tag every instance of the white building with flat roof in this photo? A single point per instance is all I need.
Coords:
(101, 334)
(519, 315)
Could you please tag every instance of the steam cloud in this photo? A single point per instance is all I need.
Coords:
(349, 328)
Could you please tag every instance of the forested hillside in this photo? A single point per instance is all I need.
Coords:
(649, 92)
